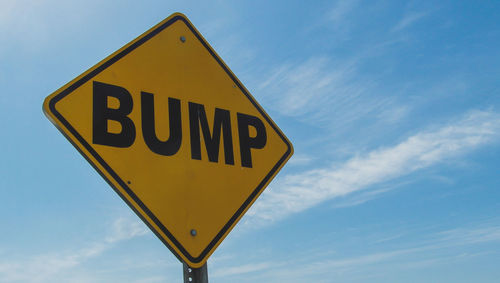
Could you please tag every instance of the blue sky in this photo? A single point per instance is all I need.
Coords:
(393, 108)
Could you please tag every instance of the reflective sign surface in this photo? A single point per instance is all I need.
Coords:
(176, 135)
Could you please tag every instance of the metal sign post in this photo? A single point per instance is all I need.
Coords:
(195, 275)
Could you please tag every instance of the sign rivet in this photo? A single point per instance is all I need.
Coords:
(183, 39)
(193, 232)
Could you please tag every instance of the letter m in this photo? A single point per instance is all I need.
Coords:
(222, 124)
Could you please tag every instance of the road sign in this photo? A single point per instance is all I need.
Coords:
(176, 135)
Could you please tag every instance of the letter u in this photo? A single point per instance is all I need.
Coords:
(173, 143)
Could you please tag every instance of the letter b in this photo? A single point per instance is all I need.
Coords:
(102, 113)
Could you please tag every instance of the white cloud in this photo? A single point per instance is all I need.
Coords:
(323, 91)
(429, 249)
(35, 25)
(331, 94)
(153, 279)
(298, 192)
(461, 236)
(300, 160)
(124, 229)
(242, 269)
(302, 88)
(340, 10)
(393, 115)
(362, 268)
(408, 20)
(363, 197)
(47, 267)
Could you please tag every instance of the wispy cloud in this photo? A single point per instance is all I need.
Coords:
(323, 91)
(431, 248)
(408, 20)
(302, 88)
(242, 269)
(34, 25)
(300, 160)
(47, 267)
(361, 268)
(295, 193)
(124, 229)
(337, 17)
(340, 11)
(153, 279)
(363, 197)
(471, 236)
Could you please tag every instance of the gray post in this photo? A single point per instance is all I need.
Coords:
(195, 275)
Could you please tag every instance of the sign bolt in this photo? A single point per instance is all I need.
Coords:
(183, 39)
(193, 232)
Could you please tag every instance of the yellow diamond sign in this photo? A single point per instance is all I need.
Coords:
(176, 135)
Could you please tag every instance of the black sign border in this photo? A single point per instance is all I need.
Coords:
(102, 66)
